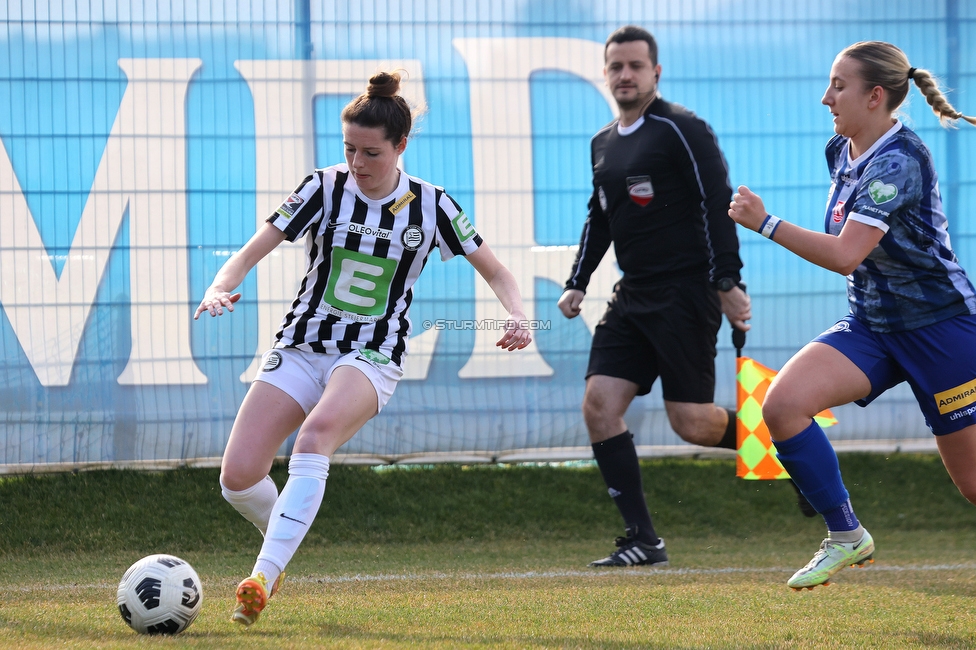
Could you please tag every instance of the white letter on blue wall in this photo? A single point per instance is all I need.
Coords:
(143, 169)
(501, 131)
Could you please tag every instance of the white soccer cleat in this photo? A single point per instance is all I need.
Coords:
(831, 558)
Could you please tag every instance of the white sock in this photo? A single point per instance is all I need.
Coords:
(254, 503)
(270, 570)
(847, 536)
(293, 512)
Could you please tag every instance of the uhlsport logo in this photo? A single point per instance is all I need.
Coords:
(841, 326)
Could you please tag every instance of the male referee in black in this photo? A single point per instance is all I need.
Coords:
(661, 195)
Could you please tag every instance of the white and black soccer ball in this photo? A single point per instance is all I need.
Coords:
(160, 594)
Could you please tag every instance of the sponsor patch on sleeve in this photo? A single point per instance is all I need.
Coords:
(881, 192)
(290, 206)
(462, 227)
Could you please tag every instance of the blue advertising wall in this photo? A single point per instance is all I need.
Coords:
(142, 143)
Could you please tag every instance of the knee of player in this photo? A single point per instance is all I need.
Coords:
(778, 409)
(322, 435)
(602, 424)
(234, 479)
(594, 411)
(968, 490)
(696, 432)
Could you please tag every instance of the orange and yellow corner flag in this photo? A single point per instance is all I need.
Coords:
(756, 457)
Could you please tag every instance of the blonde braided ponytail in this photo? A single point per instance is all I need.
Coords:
(929, 87)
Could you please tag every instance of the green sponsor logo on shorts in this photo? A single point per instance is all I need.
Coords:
(374, 357)
(882, 192)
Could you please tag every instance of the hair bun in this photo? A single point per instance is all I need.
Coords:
(383, 84)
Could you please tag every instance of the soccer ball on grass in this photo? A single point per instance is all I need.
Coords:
(160, 594)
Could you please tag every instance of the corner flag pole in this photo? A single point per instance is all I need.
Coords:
(756, 457)
(739, 336)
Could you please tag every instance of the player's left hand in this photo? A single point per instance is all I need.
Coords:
(517, 333)
(737, 307)
(215, 301)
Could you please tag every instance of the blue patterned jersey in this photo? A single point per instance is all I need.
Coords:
(912, 278)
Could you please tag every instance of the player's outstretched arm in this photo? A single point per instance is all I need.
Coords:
(218, 296)
(502, 282)
(841, 254)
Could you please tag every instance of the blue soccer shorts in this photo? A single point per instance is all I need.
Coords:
(938, 361)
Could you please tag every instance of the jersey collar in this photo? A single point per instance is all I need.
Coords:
(851, 164)
(627, 130)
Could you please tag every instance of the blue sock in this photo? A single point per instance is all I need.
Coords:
(812, 464)
(841, 518)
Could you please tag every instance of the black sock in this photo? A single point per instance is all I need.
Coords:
(617, 460)
(728, 440)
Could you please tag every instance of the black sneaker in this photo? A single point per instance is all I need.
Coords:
(805, 507)
(633, 552)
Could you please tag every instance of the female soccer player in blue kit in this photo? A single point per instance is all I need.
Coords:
(912, 307)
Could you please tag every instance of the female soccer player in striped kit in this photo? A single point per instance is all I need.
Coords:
(369, 229)
(912, 307)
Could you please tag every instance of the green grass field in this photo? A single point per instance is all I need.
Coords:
(495, 557)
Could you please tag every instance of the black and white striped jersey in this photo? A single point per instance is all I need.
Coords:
(363, 258)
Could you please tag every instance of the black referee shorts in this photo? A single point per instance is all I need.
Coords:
(667, 331)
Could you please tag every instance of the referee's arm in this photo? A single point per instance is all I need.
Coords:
(594, 242)
(709, 174)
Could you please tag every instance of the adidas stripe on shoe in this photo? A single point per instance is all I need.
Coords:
(633, 552)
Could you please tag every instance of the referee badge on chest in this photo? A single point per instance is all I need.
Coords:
(640, 189)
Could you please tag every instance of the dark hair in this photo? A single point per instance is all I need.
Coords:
(883, 64)
(630, 33)
(381, 106)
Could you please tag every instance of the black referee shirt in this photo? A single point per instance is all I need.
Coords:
(661, 194)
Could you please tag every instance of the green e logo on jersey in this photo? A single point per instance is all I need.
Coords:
(359, 283)
(462, 226)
